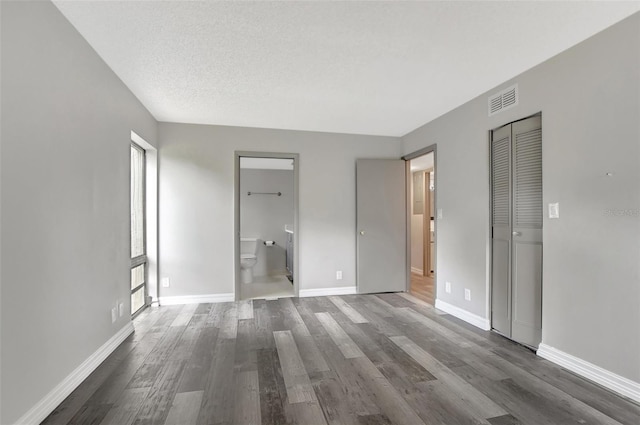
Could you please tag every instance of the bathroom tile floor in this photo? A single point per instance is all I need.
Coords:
(267, 287)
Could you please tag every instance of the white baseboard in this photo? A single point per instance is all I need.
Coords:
(462, 314)
(44, 407)
(197, 299)
(323, 292)
(607, 379)
(416, 270)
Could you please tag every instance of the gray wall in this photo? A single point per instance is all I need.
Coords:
(197, 202)
(264, 216)
(66, 123)
(590, 101)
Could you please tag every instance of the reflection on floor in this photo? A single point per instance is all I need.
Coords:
(267, 287)
(422, 287)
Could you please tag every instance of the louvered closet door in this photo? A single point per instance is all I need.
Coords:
(516, 273)
(501, 226)
(526, 244)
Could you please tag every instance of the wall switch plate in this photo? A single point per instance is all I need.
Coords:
(554, 210)
(166, 282)
(467, 294)
(121, 309)
(114, 314)
(339, 275)
(439, 215)
(447, 287)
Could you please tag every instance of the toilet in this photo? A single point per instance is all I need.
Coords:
(248, 258)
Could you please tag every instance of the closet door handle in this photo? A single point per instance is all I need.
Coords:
(516, 233)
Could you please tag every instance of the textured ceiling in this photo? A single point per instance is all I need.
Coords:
(381, 68)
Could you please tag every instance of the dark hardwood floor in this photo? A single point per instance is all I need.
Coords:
(422, 287)
(360, 359)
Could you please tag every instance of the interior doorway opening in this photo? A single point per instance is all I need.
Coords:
(422, 227)
(266, 217)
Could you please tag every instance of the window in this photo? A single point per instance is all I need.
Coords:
(138, 240)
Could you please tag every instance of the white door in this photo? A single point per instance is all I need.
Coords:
(381, 225)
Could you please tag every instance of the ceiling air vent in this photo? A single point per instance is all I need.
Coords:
(505, 99)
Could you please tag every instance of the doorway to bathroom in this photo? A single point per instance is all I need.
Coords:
(266, 216)
(422, 227)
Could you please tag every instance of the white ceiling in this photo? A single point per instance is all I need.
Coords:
(382, 68)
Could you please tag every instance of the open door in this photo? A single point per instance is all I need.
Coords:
(381, 225)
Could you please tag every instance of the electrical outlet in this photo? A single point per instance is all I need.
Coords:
(121, 309)
(467, 294)
(114, 314)
(166, 282)
(447, 287)
(339, 275)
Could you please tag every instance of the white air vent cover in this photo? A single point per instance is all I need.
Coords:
(503, 100)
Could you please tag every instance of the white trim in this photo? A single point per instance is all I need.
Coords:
(135, 138)
(48, 403)
(416, 270)
(480, 322)
(323, 292)
(610, 380)
(197, 299)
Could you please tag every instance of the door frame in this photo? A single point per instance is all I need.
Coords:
(236, 225)
(407, 158)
